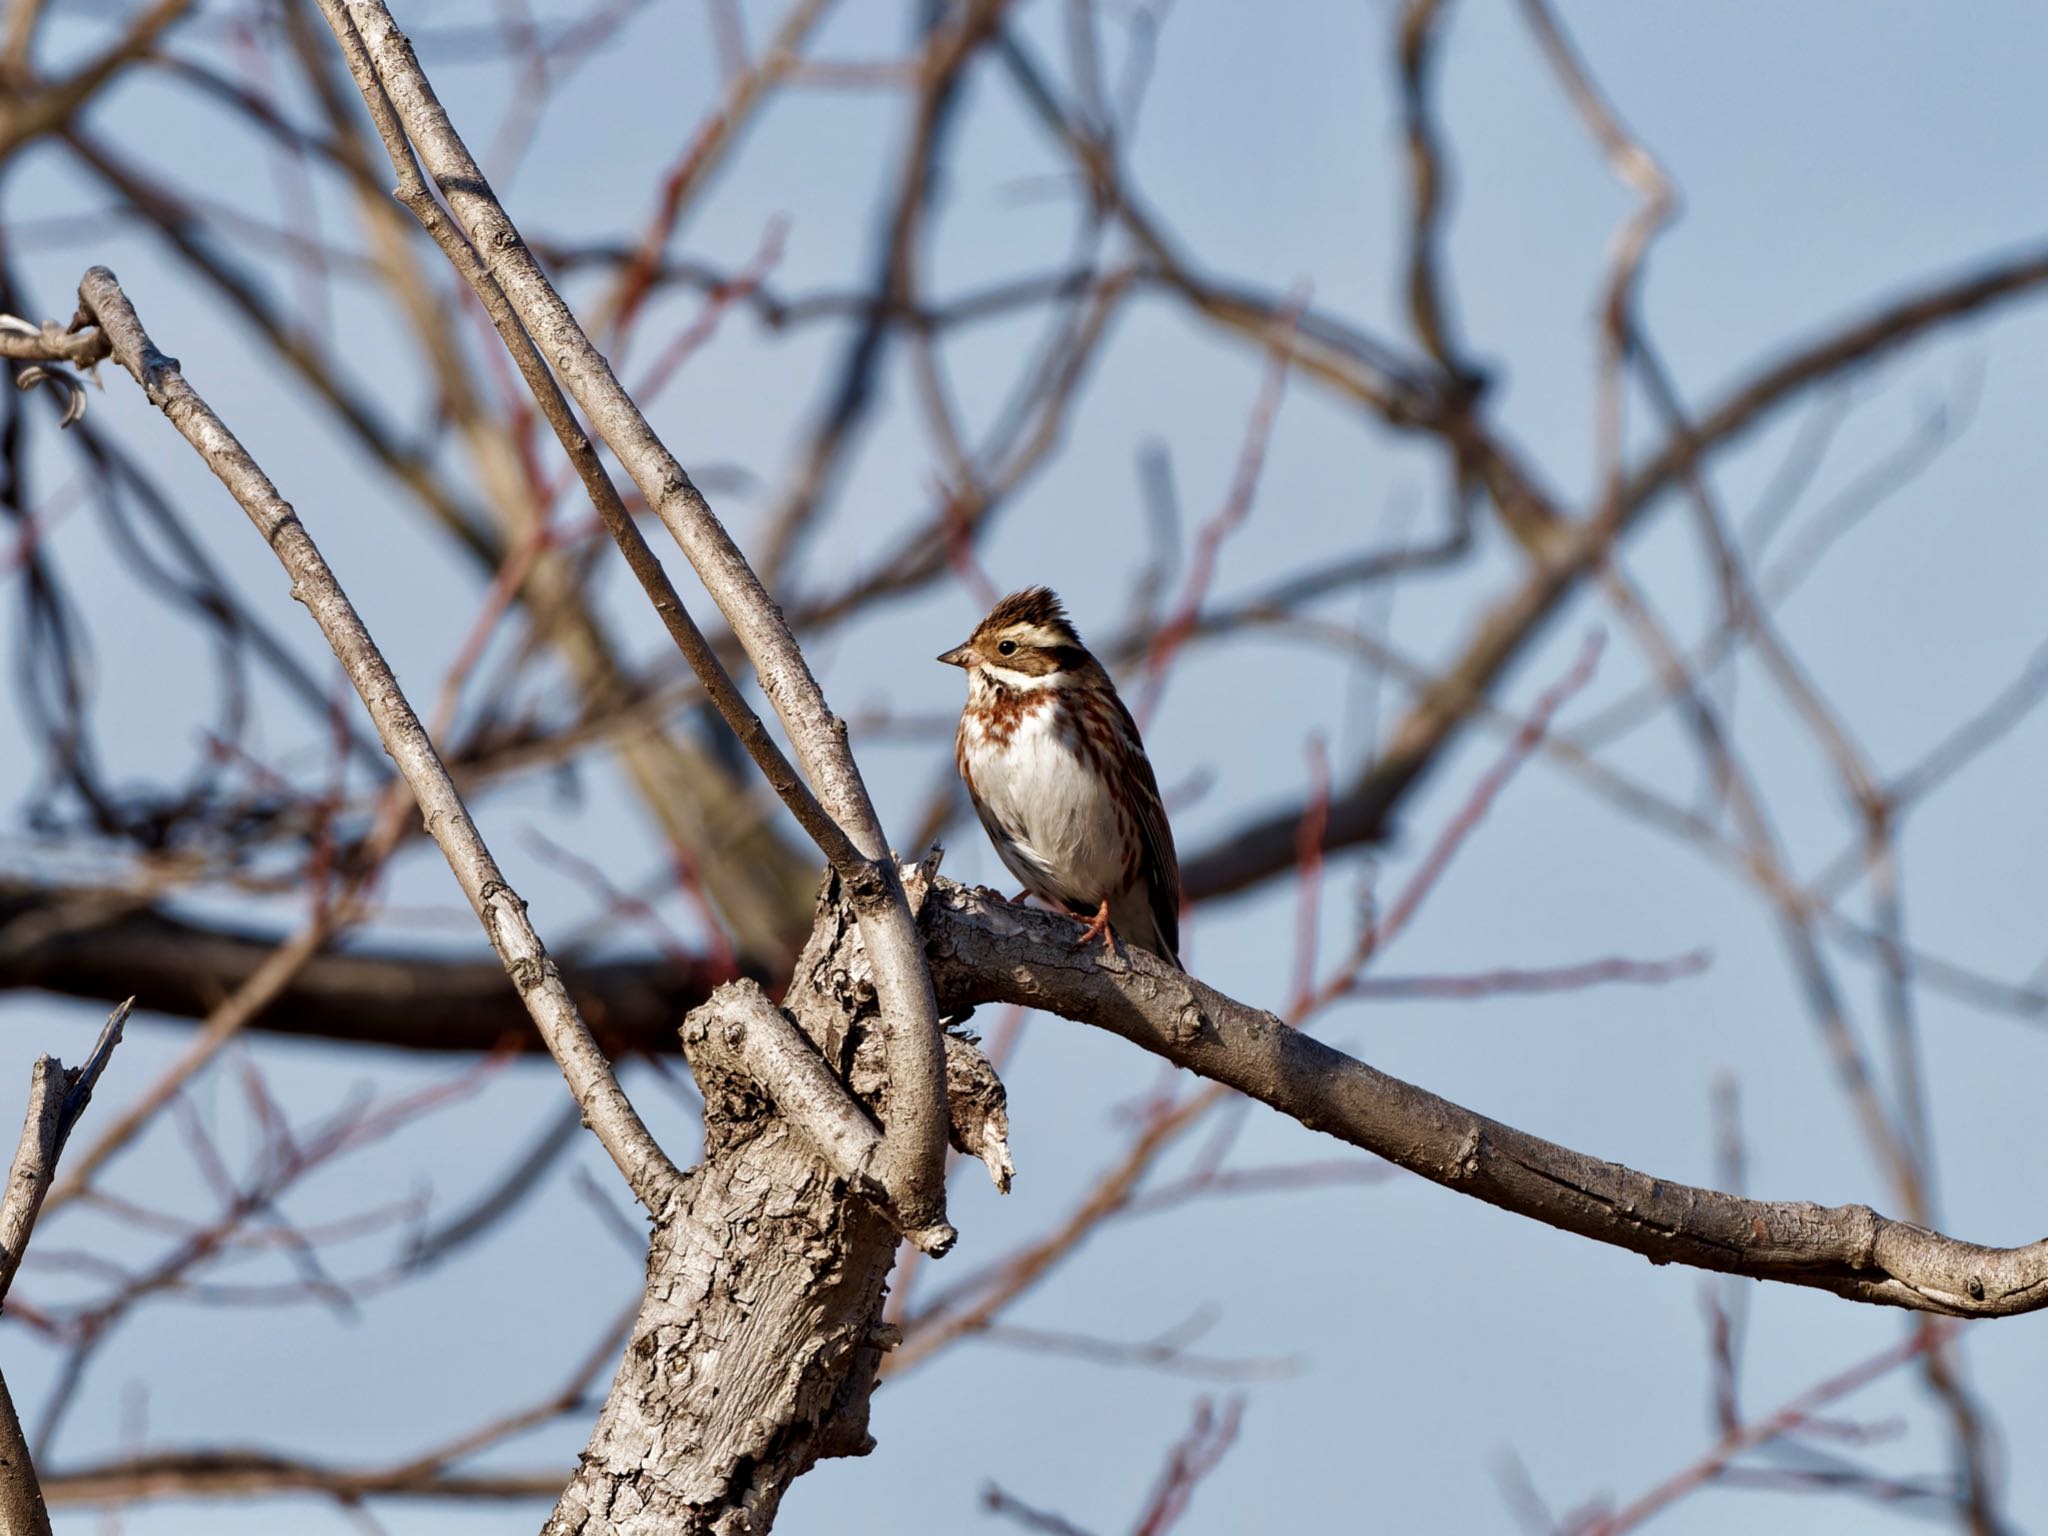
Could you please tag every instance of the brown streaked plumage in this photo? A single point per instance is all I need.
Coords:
(1058, 775)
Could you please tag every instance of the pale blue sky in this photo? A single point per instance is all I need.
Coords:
(1829, 154)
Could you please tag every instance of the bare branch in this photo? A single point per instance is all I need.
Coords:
(913, 1152)
(85, 941)
(226, 1474)
(56, 1098)
(27, 112)
(1745, 1437)
(648, 1170)
(986, 952)
(1361, 813)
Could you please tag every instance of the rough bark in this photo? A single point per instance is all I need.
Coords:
(761, 1330)
(754, 1351)
(757, 1345)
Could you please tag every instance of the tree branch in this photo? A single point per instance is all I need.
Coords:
(648, 1170)
(56, 1098)
(912, 1158)
(761, 1331)
(28, 111)
(228, 1474)
(740, 1033)
(101, 943)
(983, 951)
(1266, 845)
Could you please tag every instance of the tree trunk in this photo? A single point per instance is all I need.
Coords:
(761, 1330)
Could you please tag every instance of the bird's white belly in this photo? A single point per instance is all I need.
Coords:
(1056, 812)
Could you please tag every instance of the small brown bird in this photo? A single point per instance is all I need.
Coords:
(1059, 778)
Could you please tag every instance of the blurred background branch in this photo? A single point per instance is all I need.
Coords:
(1341, 366)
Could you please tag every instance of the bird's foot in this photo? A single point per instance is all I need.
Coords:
(1098, 928)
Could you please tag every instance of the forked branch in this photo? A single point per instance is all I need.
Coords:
(911, 1160)
(648, 1171)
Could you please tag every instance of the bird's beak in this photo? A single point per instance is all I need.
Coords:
(959, 656)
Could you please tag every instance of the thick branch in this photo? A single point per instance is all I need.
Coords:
(913, 1153)
(758, 1341)
(741, 1033)
(983, 951)
(104, 944)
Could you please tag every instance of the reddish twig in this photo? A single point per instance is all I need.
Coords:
(1790, 1419)
(1237, 505)
(1194, 1456)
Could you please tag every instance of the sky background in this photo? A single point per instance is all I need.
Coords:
(1829, 156)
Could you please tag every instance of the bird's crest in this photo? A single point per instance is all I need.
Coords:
(1037, 606)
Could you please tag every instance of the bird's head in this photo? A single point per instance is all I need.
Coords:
(1026, 643)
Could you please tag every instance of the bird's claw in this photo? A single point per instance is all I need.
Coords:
(1098, 927)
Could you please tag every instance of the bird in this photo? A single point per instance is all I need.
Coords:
(1058, 775)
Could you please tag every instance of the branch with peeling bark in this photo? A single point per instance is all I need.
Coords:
(786, 1145)
(805, 1103)
(761, 1334)
(740, 1033)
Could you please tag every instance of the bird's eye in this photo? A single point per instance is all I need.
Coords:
(1007, 648)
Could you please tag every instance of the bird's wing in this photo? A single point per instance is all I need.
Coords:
(1162, 865)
